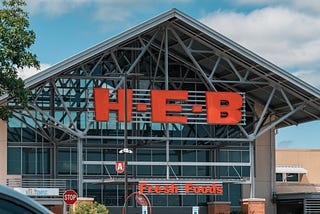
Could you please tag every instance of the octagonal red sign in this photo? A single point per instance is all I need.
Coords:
(70, 196)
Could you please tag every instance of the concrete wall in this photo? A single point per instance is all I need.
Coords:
(306, 158)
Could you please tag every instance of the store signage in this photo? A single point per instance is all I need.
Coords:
(187, 188)
(166, 106)
(38, 191)
(120, 166)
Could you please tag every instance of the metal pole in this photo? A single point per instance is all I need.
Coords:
(125, 143)
(80, 167)
(166, 66)
(252, 183)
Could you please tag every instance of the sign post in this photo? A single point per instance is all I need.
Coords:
(69, 197)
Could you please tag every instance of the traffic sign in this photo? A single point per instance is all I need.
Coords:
(70, 196)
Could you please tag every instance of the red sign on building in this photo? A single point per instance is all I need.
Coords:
(70, 196)
(120, 166)
(166, 106)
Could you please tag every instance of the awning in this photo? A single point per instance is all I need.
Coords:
(291, 169)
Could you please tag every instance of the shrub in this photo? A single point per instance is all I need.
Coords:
(90, 208)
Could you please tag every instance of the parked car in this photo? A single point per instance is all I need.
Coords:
(13, 202)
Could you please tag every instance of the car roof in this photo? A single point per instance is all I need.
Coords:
(10, 193)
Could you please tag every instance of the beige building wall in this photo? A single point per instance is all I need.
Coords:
(265, 170)
(3, 151)
(3, 154)
(306, 158)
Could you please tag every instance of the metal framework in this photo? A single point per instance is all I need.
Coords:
(173, 52)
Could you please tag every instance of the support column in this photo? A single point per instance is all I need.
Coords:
(252, 183)
(253, 205)
(166, 68)
(219, 207)
(80, 167)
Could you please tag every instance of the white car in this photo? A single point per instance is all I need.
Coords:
(13, 202)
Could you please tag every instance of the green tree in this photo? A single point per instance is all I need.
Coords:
(15, 42)
(90, 208)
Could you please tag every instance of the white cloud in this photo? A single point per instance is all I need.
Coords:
(286, 37)
(28, 72)
(112, 10)
(309, 76)
(54, 7)
(310, 6)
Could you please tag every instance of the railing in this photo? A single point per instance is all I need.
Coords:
(38, 183)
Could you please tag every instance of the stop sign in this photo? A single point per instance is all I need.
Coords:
(70, 196)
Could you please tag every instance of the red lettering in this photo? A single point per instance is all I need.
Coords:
(223, 107)
(166, 189)
(103, 106)
(174, 188)
(157, 189)
(188, 187)
(213, 189)
(142, 187)
(205, 189)
(196, 189)
(160, 108)
(219, 190)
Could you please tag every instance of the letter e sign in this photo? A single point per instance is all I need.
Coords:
(120, 166)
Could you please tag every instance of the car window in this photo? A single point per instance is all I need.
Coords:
(8, 207)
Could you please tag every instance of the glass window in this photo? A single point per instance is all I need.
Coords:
(292, 177)
(235, 156)
(109, 154)
(159, 200)
(279, 177)
(74, 156)
(190, 200)
(189, 170)
(245, 156)
(14, 161)
(110, 195)
(234, 194)
(28, 135)
(174, 200)
(63, 162)
(14, 134)
(144, 155)
(43, 161)
(28, 160)
(189, 155)
(223, 156)
(203, 170)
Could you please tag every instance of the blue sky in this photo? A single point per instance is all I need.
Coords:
(285, 32)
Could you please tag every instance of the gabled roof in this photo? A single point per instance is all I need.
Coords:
(265, 69)
(173, 13)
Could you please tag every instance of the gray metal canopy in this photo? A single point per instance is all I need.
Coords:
(220, 63)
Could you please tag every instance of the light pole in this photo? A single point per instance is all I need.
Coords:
(125, 149)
